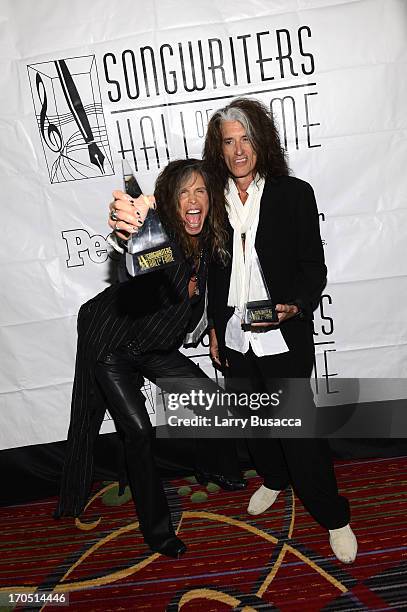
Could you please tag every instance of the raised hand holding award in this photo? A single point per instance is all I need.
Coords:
(149, 248)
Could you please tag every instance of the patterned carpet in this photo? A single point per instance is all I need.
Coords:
(278, 561)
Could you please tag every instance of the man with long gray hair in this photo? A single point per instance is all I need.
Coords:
(276, 253)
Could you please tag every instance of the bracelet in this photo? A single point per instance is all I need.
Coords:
(117, 243)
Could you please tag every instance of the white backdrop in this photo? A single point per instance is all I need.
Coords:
(146, 77)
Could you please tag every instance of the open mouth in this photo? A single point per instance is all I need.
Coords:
(193, 218)
(240, 160)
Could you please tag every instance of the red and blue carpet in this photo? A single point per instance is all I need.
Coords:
(280, 560)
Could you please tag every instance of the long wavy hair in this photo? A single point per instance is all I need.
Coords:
(167, 190)
(262, 132)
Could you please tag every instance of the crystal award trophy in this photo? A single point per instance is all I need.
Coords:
(258, 311)
(149, 248)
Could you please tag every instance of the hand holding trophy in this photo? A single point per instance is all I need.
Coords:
(149, 248)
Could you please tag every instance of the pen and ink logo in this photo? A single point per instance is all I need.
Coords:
(71, 123)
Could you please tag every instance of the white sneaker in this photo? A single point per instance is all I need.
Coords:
(261, 500)
(344, 544)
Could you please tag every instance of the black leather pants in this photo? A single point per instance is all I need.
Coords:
(120, 376)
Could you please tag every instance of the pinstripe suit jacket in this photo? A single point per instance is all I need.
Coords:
(151, 311)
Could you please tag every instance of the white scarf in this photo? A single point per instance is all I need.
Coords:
(242, 217)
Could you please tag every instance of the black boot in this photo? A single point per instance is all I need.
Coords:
(225, 482)
(172, 547)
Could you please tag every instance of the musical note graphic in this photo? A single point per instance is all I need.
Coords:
(70, 118)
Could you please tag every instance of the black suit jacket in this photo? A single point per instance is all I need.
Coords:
(289, 247)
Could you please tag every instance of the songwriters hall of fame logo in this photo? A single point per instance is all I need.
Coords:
(70, 118)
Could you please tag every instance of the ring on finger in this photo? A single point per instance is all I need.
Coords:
(116, 228)
(113, 215)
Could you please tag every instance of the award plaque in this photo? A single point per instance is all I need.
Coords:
(148, 249)
(259, 311)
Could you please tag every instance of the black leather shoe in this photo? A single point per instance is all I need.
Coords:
(173, 547)
(226, 483)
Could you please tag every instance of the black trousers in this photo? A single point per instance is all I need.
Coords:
(120, 376)
(305, 463)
